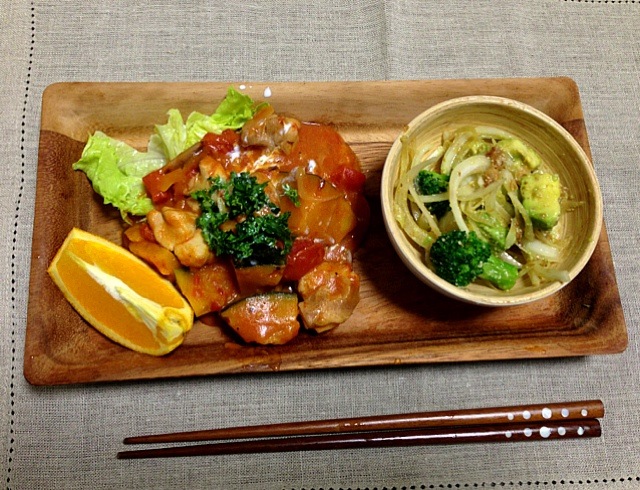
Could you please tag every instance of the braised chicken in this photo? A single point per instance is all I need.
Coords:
(172, 226)
(175, 229)
(273, 211)
(271, 131)
(194, 252)
(330, 293)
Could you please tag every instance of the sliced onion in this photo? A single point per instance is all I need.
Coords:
(474, 164)
(453, 151)
(443, 196)
(489, 132)
(540, 249)
(551, 274)
(510, 259)
(433, 224)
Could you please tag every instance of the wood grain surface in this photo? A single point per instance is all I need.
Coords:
(398, 320)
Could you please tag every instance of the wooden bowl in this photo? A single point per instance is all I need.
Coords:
(561, 154)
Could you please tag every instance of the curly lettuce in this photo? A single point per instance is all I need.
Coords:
(176, 136)
(116, 169)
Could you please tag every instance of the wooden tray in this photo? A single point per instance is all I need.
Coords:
(398, 320)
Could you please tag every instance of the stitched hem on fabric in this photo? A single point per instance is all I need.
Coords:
(530, 484)
(16, 223)
(603, 1)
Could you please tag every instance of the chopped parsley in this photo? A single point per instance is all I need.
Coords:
(292, 194)
(254, 231)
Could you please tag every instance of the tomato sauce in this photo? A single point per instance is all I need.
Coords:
(327, 218)
(321, 150)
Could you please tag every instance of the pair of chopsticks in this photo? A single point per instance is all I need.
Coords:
(519, 423)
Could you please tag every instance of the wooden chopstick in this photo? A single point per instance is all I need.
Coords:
(562, 412)
(510, 432)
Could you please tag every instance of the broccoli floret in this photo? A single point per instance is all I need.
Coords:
(460, 257)
(429, 183)
(499, 273)
(541, 198)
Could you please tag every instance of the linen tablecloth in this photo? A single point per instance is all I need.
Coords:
(67, 436)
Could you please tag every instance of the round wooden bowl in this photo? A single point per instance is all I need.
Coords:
(561, 154)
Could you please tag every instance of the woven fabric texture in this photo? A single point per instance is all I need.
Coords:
(67, 437)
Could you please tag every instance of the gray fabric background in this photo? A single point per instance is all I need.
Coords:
(67, 437)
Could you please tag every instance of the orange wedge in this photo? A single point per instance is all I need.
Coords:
(120, 295)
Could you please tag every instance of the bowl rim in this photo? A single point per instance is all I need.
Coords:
(399, 239)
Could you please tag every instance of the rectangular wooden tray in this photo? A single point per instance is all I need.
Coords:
(398, 320)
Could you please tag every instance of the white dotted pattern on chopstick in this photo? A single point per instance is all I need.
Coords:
(546, 413)
(546, 432)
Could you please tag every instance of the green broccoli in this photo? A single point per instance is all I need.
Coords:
(429, 183)
(459, 257)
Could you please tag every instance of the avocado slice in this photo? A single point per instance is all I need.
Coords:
(541, 198)
(519, 151)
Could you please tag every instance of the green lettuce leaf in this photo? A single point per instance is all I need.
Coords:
(176, 136)
(115, 170)
(170, 138)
